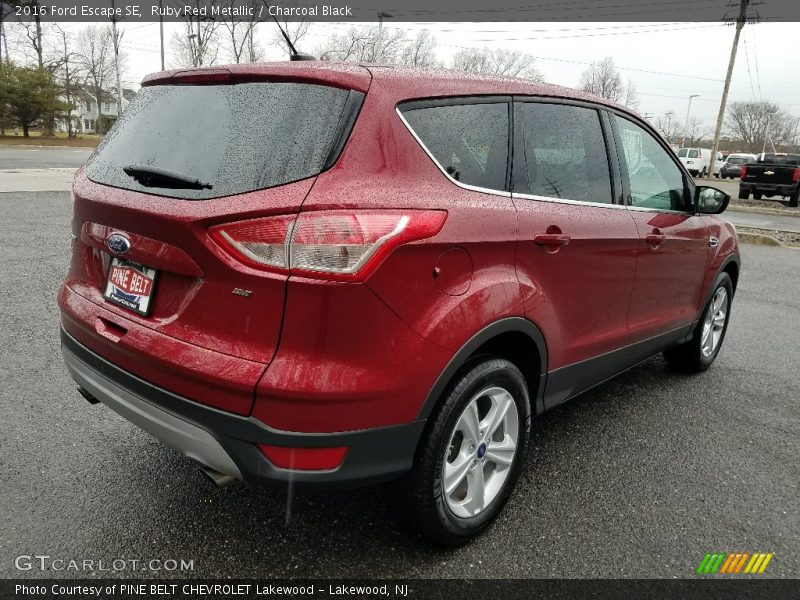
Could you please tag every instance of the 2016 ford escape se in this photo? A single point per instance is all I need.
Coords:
(347, 274)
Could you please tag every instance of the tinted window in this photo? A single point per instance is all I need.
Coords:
(655, 180)
(737, 160)
(565, 153)
(780, 159)
(469, 141)
(238, 138)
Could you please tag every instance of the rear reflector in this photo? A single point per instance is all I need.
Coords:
(304, 459)
(341, 245)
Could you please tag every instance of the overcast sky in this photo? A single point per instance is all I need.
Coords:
(666, 61)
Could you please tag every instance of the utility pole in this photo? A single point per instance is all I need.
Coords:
(740, 21)
(686, 122)
(377, 51)
(766, 135)
(161, 29)
(116, 62)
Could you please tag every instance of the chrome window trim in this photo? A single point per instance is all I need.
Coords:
(466, 186)
(566, 200)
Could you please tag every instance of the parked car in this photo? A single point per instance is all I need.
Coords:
(733, 165)
(372, 275)
(773, 174)
(698, 160)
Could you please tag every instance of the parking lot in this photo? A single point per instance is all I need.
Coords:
(638, 478)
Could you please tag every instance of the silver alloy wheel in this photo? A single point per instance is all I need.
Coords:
(480, 452)
(714, 323)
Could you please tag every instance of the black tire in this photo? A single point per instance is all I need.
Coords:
(744, 194)
(794, 199)
(420, 494)
(703, 173)
(757, 196)
(689, 357)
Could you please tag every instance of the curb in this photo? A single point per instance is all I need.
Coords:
(759, 239)
(764, 211)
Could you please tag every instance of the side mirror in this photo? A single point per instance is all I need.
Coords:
(709, 200)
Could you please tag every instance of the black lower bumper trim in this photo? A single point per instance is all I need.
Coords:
(374, 454)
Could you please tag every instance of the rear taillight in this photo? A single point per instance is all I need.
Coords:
(342, 245)
(796, 174)
(744, 171)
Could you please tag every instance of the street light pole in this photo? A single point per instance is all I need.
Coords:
(161, 29)
(192, 51)
(686, 123)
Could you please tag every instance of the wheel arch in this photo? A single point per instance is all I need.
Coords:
(515, 339)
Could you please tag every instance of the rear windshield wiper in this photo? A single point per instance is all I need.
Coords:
(156, 177)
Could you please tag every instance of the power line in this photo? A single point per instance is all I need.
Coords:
(749, 75)
(755, 57)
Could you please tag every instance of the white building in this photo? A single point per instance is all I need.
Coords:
(87, 112)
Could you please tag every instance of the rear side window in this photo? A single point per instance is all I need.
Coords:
(564, 153)
(468, 141)
(236, 138)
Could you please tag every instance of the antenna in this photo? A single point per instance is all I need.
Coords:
(293, 53)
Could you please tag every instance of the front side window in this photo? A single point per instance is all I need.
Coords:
(655, 179)
(564, 153)
(468, 141)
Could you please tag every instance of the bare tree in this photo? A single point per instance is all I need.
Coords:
(751, 123)
(483, 61)
(66, 74)
(95, 61)
(669, 126)
(198, 44)
(240, 35)
(420, 51)
(360, 44)
(696, 132)
(603, 79)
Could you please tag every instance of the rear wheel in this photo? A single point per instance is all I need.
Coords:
(757, 196)
(703, 173)
(699, 353)
(794, 199)
(470, 455)
(743, 194)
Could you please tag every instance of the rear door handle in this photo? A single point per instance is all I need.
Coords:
(551, 239)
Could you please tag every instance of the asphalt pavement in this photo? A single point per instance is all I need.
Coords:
(639, 477)
(42, 157)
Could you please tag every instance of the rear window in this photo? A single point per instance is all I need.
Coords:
(737, 160)
(234, 138)
(791, 160)
(682, 152)
(468, 141)
(693, 154)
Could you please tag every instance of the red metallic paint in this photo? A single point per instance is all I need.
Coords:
(306, 355)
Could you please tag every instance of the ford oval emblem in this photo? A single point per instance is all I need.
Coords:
(118, 243)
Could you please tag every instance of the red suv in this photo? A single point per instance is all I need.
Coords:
(345, 274)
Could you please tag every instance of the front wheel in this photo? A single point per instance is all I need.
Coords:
(470, 455)
(699, 353)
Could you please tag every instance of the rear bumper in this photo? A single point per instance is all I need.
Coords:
(227, 443)
(772, 189)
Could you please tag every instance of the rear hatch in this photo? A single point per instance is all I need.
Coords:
(187, 154)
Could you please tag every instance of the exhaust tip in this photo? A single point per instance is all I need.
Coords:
(220, 480)
(89, 398)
